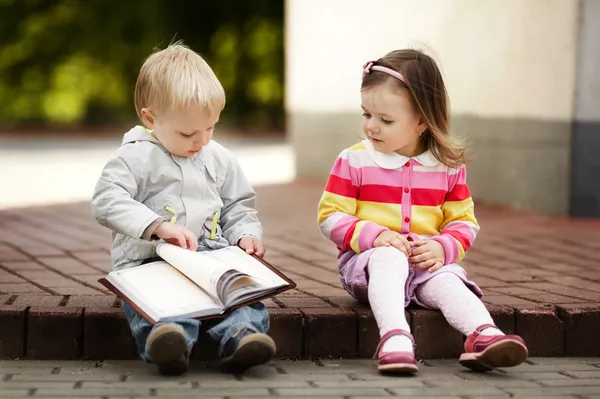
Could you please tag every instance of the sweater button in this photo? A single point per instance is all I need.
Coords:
(407, 219)
(406, 189)
(407, 164)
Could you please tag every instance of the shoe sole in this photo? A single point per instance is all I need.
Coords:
(252, 350)
(398, 368)
(167, 350)
(508, 353)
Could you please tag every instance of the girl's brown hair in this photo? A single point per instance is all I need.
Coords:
(429, 97)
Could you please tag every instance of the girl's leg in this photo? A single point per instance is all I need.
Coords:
(462, 308)
(388, 271)
(486, 347)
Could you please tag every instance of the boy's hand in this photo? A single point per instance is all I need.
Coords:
(252, 245)
(392, 238)
(427, 254)
(177, 235)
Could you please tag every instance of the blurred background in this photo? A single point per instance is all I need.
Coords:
(68, 69)
(522, 75)
(71, 63)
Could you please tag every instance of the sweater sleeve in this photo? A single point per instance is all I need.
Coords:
(337, 209)
(460, 227)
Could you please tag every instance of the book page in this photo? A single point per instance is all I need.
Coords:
(164, 290)
(255, 278)
(241, 261)
(203, 270)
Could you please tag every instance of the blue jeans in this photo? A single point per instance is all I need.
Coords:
(254, 317)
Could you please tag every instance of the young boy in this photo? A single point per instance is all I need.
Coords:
(170, 181)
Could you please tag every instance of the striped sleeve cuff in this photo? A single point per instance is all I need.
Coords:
(450, 245)
(364, 235)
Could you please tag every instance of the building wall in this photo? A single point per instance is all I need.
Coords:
(510, 67)
(585, 168)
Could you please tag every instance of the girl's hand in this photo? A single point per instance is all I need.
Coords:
(252, 245)
(391, 238)
(427, 254)
(177, 235)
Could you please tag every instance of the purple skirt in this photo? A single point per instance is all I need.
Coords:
(354, 277)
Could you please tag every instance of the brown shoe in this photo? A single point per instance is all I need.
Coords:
(249, 349)
(168, 349)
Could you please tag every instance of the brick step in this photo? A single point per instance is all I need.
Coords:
(35, 331)
(540, 276)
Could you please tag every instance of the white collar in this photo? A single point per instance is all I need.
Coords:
(395, 160)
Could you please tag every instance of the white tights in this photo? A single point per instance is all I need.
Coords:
(388, 271)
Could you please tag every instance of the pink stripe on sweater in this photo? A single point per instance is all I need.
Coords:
(464, 229)
(342, 168)
(338, 232)
(368, 234)
(450, 247)
(374, 175)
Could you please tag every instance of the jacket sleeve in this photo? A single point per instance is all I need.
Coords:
(113, 203)
(337, 208)
(460, 227)
(238, 216)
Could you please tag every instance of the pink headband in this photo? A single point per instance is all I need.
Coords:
(368, 67)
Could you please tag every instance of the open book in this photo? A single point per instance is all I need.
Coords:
(187, 284)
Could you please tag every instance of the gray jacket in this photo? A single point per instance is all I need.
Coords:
(144, 185)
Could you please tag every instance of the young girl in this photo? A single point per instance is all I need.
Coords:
(399, 210)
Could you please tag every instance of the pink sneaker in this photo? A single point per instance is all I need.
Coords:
(487, 352)
(396, 362)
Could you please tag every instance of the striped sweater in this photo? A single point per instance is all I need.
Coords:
(369, 192)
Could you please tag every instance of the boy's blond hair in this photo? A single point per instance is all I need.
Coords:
(177, 77)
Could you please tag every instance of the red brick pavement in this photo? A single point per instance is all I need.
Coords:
(541, 277)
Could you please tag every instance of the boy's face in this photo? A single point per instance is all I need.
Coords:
(183, 132)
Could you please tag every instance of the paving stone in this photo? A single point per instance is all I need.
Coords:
(368, 332)
(65, 377)
(504, 317)
(320, 392)
(384, 383)
(106, 335)
(215, 392)
(38, 300)
(12, 331)
(455, 390)
(15, 393)
(557, 391)
(91, 301)
(583, 374)
(434, 337)
(330, 332)
(542, 331)
(572, 382)
(287, 330)
(81, 393)
(54, 333)
(582, 323)
(66, 385)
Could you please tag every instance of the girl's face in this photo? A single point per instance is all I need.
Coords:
(390, 121)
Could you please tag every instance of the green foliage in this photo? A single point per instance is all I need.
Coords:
(70, 62)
